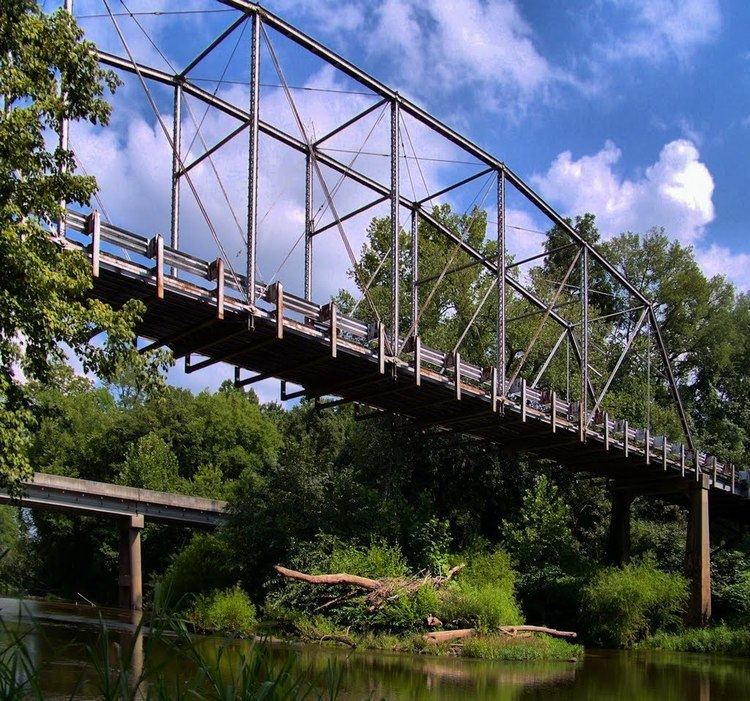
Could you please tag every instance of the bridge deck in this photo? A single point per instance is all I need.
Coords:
(192, 317)
(67, 494)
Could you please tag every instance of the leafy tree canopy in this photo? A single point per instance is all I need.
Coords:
(48, 74)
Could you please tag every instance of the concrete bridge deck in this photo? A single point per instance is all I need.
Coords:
(90, 498)
(129, 506)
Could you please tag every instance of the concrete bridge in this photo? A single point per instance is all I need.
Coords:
(129, 507)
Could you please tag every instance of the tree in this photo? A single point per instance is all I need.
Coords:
(48, 73)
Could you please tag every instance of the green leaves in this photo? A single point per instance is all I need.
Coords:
(48, 73)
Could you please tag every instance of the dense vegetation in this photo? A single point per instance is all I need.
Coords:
(324, 492)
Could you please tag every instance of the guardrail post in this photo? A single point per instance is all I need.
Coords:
(553, 409)
(130, 580)
(334, 330)
(647, 446)
(381, 348)
(93, 226)
(697, 465)
(279, 310)
(682, 459)
(664, 454)
(156, 251)
(626, 439)
(606, 431)
(216, 272)
(457, 377)
(417, 361)
(523, 399)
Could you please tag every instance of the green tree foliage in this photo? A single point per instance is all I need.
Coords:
(545, 551)
(47, 74)
(228, 612)
(623, 606)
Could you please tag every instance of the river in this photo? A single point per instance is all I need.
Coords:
(61, 635)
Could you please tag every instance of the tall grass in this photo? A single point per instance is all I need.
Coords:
(137, 669)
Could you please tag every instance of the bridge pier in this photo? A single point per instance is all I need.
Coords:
(618, 545)
(130, 579)
(698, 555)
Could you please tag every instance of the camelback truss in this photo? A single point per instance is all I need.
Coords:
(350, 148)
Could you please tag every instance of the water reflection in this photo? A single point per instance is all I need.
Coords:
(59, 639)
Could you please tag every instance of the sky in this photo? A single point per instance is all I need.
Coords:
(636, 110)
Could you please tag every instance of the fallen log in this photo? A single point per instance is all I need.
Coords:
(331, 579)
(444, 636)
(513, 630)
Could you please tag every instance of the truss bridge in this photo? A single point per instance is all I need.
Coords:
(292, 325)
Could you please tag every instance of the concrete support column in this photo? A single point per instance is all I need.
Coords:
(698, 555)
(618, 543)
(130, 580)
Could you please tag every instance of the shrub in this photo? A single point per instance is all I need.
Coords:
(625, 605)
(498, 647)
(715, 640)
(199, 567)
(730, 583)
(229, 612)
(483, 595)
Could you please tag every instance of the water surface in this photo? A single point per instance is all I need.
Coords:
(61, 636)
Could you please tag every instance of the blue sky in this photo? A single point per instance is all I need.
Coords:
(636, 110)
(611, 82)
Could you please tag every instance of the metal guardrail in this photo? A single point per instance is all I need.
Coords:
(520, 397)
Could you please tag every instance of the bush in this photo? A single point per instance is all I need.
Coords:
(483, 595)
(498, 647)
(715, 640)
(229, 612)
(199, 567)
(730, 583)
(625, 605)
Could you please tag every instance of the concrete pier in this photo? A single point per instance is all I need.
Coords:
(131, 579)
(698, 555)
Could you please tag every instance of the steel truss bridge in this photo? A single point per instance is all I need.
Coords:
(208, 312)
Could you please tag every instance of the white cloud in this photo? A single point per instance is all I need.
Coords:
(445, 46)
(675, 192)
(719, 260)
(656, 29)
(333, 15)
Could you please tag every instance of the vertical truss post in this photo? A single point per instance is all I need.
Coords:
(309, 223)
(415, 271)
(501, 284)
(174, 238)
(395, 253)
(252, 177)
(584, 341)
(64, 138)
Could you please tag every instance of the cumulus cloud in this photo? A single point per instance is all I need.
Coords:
(657, 29)
(674, 192)
(720, 260)
(434, 44)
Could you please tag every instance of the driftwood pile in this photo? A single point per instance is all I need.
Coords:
(380, 591)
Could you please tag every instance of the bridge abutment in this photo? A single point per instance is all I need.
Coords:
(698, 555)
(130, 579)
